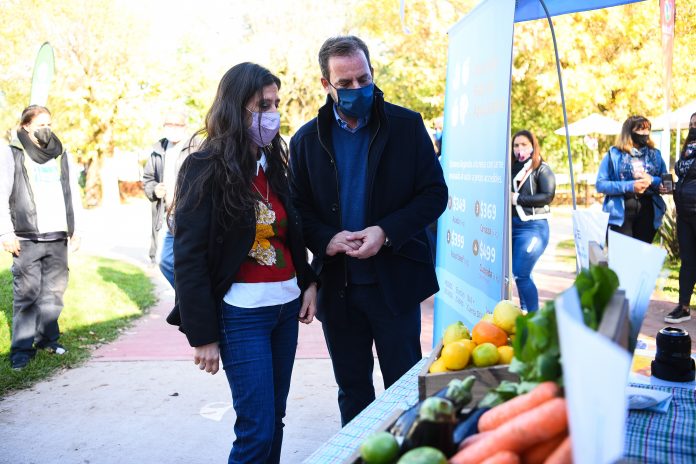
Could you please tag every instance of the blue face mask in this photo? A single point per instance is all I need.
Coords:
(356, 103)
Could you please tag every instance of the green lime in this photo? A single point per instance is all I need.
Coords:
(423, 455)
(380, 448)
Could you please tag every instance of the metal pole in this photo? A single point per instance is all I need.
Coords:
(565, 116)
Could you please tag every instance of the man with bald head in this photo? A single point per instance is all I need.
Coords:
(367, 183)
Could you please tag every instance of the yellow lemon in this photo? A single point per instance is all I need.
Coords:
(505, 314)
(488, 317)
(505, 353)
(455, 355)
(470, 345)
(437, 366)
(485, 354)
(454, 332)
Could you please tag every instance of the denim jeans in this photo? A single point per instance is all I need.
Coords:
(396, 338)
(40, 277)
(257, 348)
(529, 240)
(166, 256)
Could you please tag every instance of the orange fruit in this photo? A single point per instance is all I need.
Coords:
(485, 332)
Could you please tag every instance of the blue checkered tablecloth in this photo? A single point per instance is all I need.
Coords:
(664, 438)
(402, 395)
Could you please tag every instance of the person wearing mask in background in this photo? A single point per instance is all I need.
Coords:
(533, 189)
(41, 201)
(685, 203)
(242, 276)
(630, 177)
(159, 180)
(367, 183)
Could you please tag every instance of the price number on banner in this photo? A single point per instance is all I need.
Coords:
(484, 251)
(455, 239)
(485, 210)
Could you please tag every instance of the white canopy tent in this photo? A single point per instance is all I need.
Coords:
(592, 124)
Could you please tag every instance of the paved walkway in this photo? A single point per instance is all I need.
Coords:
(140, 399)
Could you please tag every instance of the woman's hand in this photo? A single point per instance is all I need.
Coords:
(309, 304)
(207, 357)
(642, 183)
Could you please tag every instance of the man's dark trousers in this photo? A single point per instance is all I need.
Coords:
(396, 338)
(40, 275)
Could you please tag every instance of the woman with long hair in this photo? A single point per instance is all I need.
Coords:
(630, 177)
(685, 202)
(533, 189)
(242, 277)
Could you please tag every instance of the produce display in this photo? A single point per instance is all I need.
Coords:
(488, 343)
(516, 422)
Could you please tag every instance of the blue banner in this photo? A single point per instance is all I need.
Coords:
(473, 233)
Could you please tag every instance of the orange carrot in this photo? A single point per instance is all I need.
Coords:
(563, 454)
(503, 457)
(471, 439)
(537, 454)
(516, 406)
(519, 433)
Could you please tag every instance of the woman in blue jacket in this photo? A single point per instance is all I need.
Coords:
(630, 177)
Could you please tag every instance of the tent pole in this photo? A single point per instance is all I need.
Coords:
(565, 116)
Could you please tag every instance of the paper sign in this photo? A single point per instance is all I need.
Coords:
(588, 226)
(594, 375)
(638, 265)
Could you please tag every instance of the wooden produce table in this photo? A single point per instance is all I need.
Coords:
(651, 437)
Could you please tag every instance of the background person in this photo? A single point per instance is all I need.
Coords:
(242, 277)
(40, 199)
(533, 189)
(685, 203)
(159, 178)
(630, 177)
(367, 183)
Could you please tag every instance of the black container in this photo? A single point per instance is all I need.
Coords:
(673, 360)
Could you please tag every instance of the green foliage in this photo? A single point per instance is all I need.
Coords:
(103, 297)
(595, 287)
(668, 233)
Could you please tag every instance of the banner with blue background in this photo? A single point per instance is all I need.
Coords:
(472, 251)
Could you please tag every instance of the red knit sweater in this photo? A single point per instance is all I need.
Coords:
(269, 259)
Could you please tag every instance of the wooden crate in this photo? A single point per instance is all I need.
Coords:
(486, 378)
(615, 322)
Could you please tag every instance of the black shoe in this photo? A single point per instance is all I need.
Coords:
(53, 348)
(678, 314)
(19, 362)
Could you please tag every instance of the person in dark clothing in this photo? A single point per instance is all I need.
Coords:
(533, 189)
(685, 203)
(41, 202)
(630, 177)
(242, 277)
(367, 183)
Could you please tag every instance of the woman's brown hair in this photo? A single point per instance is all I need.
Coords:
(624, 142)
(688, 139)
(30, 112)
(536, 154)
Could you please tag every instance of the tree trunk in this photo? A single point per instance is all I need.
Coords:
(93, 187)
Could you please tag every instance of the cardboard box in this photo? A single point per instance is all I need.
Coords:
(486, 378)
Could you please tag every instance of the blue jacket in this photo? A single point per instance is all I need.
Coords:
(406, 192)
(614, 189)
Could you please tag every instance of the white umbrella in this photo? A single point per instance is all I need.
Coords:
(592, 124)
(678, 118)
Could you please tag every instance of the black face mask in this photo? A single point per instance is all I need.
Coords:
(639, 140)
(43, 135)
(692, 134)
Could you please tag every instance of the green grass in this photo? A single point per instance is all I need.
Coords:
(103, 297)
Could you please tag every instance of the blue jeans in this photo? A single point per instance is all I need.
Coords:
(166, 257)
(529, 240)
(257, 348)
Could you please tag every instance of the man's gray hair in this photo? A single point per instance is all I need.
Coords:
(343, 45)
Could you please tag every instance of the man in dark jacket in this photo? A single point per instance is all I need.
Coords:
(159, 178)
(367, 183)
